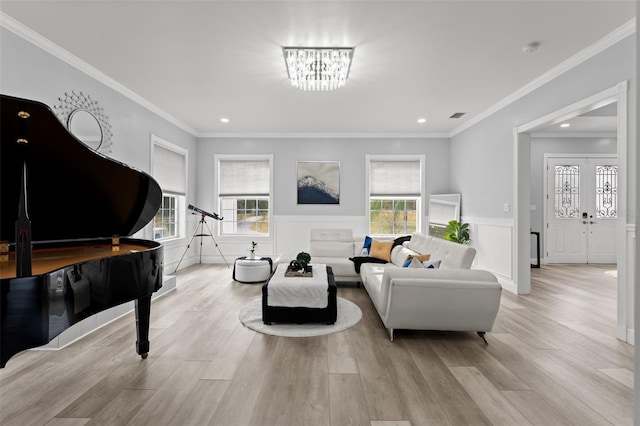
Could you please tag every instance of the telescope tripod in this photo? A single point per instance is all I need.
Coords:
(200, 227)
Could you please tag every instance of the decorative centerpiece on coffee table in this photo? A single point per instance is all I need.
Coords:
(300, 266)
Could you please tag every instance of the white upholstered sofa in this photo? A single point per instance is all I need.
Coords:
(334, 247)
(452, 297)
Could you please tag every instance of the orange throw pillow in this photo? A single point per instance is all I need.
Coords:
(381, 249)
(420, 257)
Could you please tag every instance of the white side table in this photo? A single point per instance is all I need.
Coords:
(250, 271)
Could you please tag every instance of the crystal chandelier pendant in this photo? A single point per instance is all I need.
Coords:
(318, 68)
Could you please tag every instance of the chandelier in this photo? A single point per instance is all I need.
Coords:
(318, 68)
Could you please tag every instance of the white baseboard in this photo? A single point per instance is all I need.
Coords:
(508, 285)
(625, 334)
(534, 260)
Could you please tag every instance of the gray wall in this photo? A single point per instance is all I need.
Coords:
(29, 72)
(351, 154)
(541, 146)
(486, 149)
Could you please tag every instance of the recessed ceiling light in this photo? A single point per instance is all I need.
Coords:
(565, 125)
(224, 120)
(422, 120)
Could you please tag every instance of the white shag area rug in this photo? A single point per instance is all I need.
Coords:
(612, 274)
(349, 314)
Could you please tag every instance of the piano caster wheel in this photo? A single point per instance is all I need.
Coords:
(144, 356)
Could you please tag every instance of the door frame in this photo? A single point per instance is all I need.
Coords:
(522, 199)
(545, 179)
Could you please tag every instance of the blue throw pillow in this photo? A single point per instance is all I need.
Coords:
(431, 264)
(366, 247)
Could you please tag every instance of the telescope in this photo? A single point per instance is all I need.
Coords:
(199, 232)
(200, 211)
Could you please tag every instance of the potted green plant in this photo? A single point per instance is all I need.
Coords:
(252, 250)
(457, 232)
(304, 258)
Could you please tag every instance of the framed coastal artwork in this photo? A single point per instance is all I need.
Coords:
(318, 182)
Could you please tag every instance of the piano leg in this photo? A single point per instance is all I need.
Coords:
(143, 314)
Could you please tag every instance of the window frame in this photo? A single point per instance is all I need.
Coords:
(419, 198)
(218, 158)
(180, 196)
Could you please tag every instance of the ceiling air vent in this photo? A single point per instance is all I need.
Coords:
(457, 115)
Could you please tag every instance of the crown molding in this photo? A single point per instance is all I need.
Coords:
(45, 44)
(574, 135)
(604, 43)
(327, 135)
(50, 47)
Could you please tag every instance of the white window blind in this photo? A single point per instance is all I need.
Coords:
(244, 177)
(394, 178)
(170, 170)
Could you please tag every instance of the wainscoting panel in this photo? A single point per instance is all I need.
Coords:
(493, 240)
(491, 237)
(292, 232)
(173, 251)
(210, 248)
(94, 322)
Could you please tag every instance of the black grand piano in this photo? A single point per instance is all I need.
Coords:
(66, 212)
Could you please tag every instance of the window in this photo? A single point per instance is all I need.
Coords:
(395, 194)
(166, 219)
(567, 192)
(606, 192)
(392, 216)
(169, 168)
(244, 194)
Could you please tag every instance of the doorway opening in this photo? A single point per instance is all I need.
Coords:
(522, 199)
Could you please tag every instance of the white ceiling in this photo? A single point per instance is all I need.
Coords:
(582, 126)
(601, 122)
(202, 60)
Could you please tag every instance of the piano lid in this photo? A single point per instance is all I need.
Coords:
(73, 191)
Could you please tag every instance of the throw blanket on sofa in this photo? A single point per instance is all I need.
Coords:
(398, 241)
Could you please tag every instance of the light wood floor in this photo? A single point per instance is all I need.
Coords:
(552, 359)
